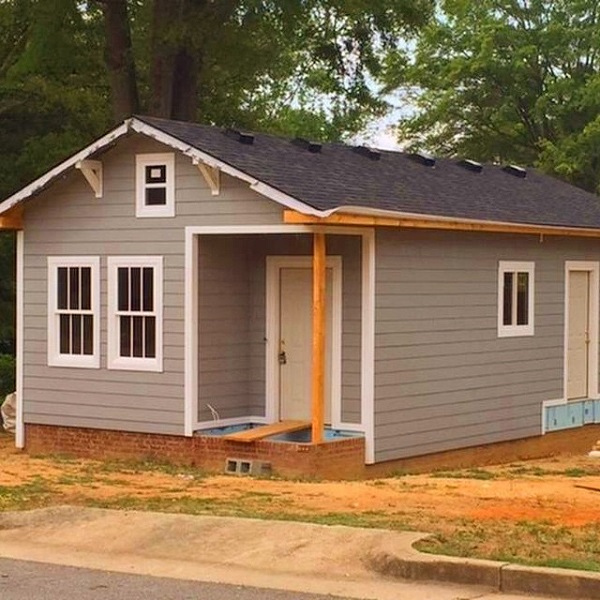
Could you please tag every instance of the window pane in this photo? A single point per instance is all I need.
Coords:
(123, 288)
(65, 334)
(522, 298)
(138, 336)
(507, 299)
(88, 334)
(156, 196)
(136, 284)
(62, 286)
(148, 288)
(74, 287)
(125, 336)
(86, 288)
(156, 174)
(150, 338)
(76, 334)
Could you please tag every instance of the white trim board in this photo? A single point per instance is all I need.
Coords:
(272, 328)
(20, 339)
(367, 330)
(593, 268)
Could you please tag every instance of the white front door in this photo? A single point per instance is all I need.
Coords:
(578, 338)
(295, 343)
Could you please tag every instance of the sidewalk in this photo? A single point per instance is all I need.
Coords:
(352, 562)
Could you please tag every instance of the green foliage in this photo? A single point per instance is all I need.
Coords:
(508, 81)
(7, 375)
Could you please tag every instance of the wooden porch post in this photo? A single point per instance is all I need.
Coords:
(318, 345)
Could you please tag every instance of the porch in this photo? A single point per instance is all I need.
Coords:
(275, 333)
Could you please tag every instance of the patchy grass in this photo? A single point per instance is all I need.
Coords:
(34, 494)
(527, 543)
(466, 474)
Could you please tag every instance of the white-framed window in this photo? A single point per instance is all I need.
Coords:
(135, 297)
(155, 185)
(515, 298)
(74, 311)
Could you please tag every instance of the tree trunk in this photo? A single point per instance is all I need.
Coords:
(119, 59)
(175, 64)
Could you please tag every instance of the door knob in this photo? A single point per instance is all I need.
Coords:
(282, 357)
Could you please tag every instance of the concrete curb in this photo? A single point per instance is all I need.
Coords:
(500, 576)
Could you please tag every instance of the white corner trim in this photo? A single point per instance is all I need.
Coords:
(367, 354)
(20, 339)
(92, 171)
(44, 180)
(593, 268)
(514, 330)
(191, 334)
(55, 358)
(166, 159)
(127, 363)
(272, 326)
(200, 156)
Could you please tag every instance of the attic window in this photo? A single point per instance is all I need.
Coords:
(155, 185)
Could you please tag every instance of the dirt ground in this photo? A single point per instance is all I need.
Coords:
(543, 512)
(563, 490)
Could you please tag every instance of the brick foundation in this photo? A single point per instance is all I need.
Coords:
(339, 459)
(579, 440)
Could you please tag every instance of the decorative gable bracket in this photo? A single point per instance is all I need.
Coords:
(212, 176)
(92, 171)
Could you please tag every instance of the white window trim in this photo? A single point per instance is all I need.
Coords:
(505, 266)
(129, 363)
(141, 162)
(55, 358)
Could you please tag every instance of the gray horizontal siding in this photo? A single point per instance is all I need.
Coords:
(67, 219)
(232, 319)
(443, 378)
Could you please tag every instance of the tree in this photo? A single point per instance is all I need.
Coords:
(508, 81)
(259, 63)
(70, 69)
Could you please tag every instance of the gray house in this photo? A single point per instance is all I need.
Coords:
(232, 299)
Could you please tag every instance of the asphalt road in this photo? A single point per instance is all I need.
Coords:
(22, 580)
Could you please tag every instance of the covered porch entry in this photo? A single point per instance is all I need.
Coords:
(275, 331)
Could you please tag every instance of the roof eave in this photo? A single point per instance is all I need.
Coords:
(365, 216)
(139, 126)
(40, 183)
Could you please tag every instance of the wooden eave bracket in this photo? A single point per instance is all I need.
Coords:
(12, 219)
(212, 176)
(92, 171)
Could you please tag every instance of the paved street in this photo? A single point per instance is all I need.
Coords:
(25, 580)
(22, 580)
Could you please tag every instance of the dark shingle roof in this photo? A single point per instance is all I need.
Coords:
(338, 176)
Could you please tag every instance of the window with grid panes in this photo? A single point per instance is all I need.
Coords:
(135, 327)
(73, 304)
